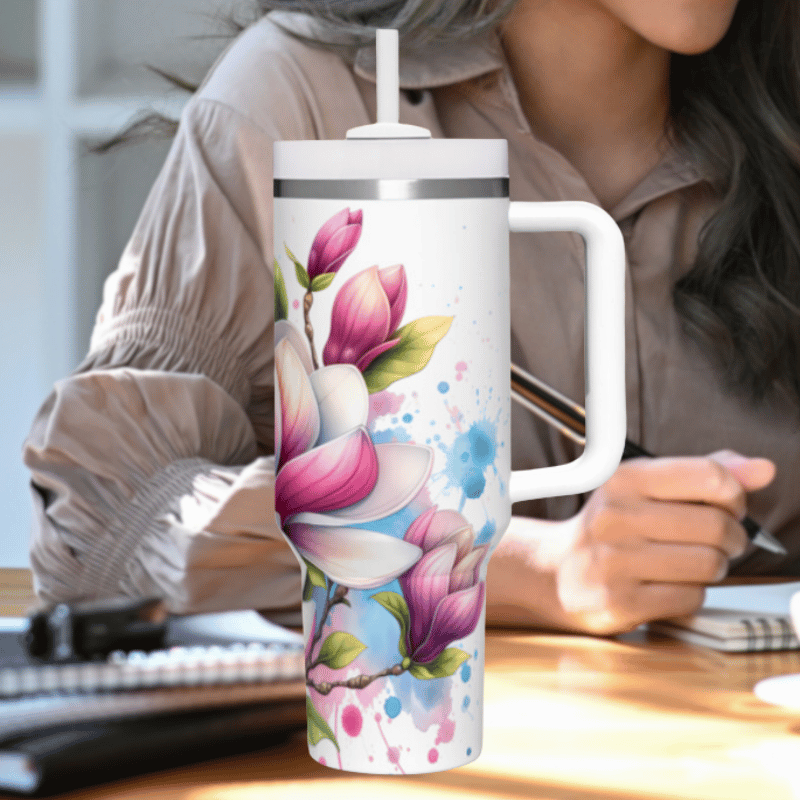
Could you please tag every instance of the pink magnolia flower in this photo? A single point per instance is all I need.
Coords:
(330, 475)
(443, 589)
(366, 313)
(334, 241)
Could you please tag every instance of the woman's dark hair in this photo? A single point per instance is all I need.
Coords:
(417, 21)
(342, 26)
(736, 109)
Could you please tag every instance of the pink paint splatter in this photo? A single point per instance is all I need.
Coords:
(323, 761)
(461, 366)
(352, 720)
(367, 695)
(437, 715)
(296, 304)
(456, 416)
(433, 755)
(382, 404)
(459, 377)
(447, 730)
(392, 753)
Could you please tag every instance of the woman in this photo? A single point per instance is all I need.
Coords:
(151, 466)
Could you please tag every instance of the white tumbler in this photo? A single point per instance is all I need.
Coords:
(394, 484)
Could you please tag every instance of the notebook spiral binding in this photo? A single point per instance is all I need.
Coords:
(176, 666)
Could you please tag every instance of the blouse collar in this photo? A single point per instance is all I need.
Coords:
(457, 62)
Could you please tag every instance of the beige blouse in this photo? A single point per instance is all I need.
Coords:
(151, 465)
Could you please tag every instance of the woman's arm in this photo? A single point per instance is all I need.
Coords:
(644, 546)
(150, 465)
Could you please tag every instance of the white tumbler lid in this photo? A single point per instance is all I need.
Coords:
(410, 159)
(388, 149)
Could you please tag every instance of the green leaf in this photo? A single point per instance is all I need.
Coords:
(396, 605)
(322, 281)
(316, 575)
(302, 276)
(308, 589)
(281, 301)
(318, 729)
(444, 665)
(299, 269)
(411, 354)
(339, 649)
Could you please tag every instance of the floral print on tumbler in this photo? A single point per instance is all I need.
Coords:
(382, 558)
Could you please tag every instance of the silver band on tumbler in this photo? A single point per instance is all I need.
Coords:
(391, 188)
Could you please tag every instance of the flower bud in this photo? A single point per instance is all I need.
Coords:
(334, 241)
(366, 312)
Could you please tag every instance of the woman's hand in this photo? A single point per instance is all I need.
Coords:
(648, 541)
(644, 546)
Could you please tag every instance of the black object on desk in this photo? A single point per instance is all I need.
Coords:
(70, 756)
(226, 683)
(87, 630)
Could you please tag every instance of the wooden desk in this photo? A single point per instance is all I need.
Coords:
(566, 718)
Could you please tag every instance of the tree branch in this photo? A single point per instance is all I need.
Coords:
(356, 682)
(330, 601)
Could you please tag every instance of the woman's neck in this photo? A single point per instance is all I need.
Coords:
(591, 88)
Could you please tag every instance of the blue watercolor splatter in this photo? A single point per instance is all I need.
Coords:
(482, 443)
(392, 707)
(470, 456)
(444, 387)
(391, 435)
(474, 484)
(465, 703)
(419, 696)
(486, 532)
(466, 673)
(407, 418)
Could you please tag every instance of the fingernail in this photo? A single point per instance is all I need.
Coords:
(730, 458)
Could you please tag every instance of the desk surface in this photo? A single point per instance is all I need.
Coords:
(566, 718)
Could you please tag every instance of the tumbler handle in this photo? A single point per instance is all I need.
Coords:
(604, 344)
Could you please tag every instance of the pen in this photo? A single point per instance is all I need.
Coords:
(570, 418)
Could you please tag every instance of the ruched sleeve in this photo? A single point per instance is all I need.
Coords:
(152, 468)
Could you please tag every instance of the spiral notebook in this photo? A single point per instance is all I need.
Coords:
(223, 683)
(742, 618)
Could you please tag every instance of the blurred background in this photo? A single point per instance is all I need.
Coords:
(72, 74)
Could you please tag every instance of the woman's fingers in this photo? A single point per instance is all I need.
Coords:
(605, 607)
(686, 479)
(663, 563)
(648, 540)
(752, 473)
(721, 479)
(628, 523)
